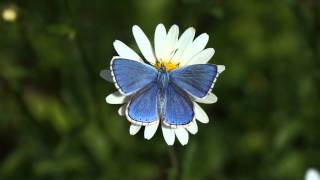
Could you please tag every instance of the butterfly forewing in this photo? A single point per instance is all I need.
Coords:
(131, 76)
(197, 80)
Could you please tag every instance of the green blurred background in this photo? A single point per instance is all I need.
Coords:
(55, 123)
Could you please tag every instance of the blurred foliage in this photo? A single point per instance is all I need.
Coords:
(55, 124)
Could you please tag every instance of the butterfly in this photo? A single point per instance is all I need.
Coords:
(161, 93)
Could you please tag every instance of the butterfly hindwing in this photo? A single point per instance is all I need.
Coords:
(178, 109)
(197, 80)
(142, 109)
(131, 76)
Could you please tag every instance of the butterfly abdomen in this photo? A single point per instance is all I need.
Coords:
(162, 81)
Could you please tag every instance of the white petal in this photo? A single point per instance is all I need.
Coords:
(221, 68)
(192, 127)
(143, 44)
(122, 110)
(159, 40)
(106, 75)
(150, 130)
(182, 135)
(200, 114)
(203, 57)
(116, 98)
(209, 99)
(126, 52)
(171, 43)
(168, 135)
(134, 129)
(312, 174)
(184, 41)
(197, 45)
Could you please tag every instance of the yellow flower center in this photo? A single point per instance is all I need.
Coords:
(167, 65)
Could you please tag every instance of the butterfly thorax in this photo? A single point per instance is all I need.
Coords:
(163, 78)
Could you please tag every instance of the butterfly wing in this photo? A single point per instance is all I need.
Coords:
(131, 76)
(106, 75)
(197, 80)
(142, 109)
(178, 108)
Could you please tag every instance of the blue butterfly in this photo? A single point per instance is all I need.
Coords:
(161, 94)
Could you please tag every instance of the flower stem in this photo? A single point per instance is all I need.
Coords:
(174, 170)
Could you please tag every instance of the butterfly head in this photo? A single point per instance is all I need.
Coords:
(166, 66)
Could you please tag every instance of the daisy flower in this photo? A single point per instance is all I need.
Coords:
(170, 53)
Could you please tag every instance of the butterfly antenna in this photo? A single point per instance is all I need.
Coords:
(173, 53)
